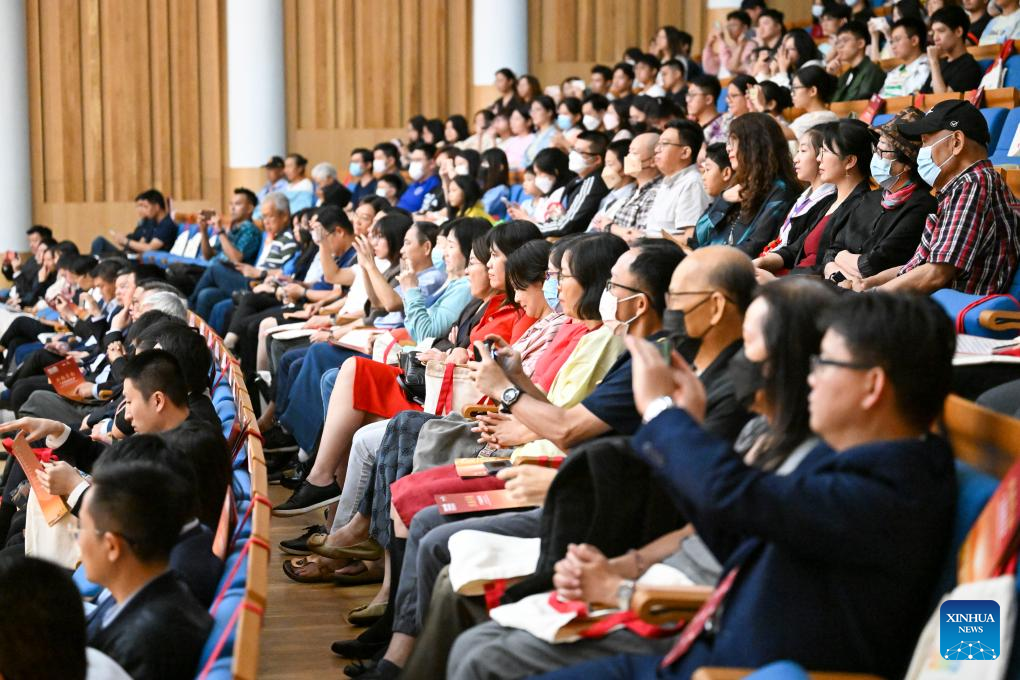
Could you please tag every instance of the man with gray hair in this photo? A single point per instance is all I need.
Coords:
(221, 279)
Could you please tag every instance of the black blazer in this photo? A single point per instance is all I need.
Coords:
(839, 560)
(883, 238)
(793, 252)
(193, 561)
(159, 634)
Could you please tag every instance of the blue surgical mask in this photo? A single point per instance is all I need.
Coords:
(551, 291)
(356, 169)
(926, 167)
(564, 122)
(881, 170)
(816, 10)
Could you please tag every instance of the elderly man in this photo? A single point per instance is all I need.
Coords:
(220, 280)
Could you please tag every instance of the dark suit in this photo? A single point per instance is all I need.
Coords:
(193, 561)
(158, 635)
(838, 560)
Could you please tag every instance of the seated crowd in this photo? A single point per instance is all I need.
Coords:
(701, 344)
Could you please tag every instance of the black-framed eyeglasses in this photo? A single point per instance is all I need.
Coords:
(585, 153)
(817, 361)
(671, 295)
(610, 286)
(660, 144)
(885, 152)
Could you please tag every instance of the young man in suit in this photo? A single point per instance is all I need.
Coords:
(131, 519)
(847, 549)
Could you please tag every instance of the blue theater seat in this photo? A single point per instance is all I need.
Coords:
(1001, 154)
(996, 119)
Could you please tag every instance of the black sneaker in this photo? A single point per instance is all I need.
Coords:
(299, 545)
(356, 649)
(291, 478)
(308, 497)
(275, 440)
(384, 670)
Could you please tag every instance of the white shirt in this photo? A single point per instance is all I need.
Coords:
(806, 121)
(1001, 28)
(906, 79)
(679, 202)
(102, 667)
(303, 184)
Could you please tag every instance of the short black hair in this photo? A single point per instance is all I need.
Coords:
(42, 603)
(154, 196)
(752, 4)
(388, 149)
(154, 449)
(108, 269)
(143, 503)
(396, 180)
(364, 154)
(913, 27)
(146, 321)
(690, 133)
(709, 84)
(67, 247)
(775, 15)
(603, 71)
(740, 15)
(675, 64)
(953, 16)
(336, 195)
(249, 194)
(526, 265)
(552, 161)
(599, 142)
(156, 370)
(332, 218)
(507, 73)
(82, 264)
(599, 102)
(43, 231)
(859, 30)
(427, 231)
(873, 327)
(649, 60)
(627, 69)
(181, 340)
(592, 256)
(718, 154)
(203, 444)
(632, 53)
(428, 149)
(653, 267)
(836, 10)
(620, 148)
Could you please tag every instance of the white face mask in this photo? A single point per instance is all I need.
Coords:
(578, 163)
(416, 170)
(544, 183)
(608, 306)
(590, 122)
(611, 120)
(378, 166)
(462, 170)
(381, 192)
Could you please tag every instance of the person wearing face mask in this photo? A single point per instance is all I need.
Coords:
(886, 227)
(424, 180)
(617, 119)
(593, 110)
(385, 160)
(390, 188)
(973, 242)
(363, 182)
(620, 185)
(639, 163)
(583, 194)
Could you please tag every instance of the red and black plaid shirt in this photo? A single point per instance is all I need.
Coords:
(976, 230)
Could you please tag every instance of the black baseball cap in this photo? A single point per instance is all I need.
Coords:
(952, 115)
(275, 162)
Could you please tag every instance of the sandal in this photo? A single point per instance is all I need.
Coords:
(367, 614)
(366, 576)
(324, 574)
(368, 550)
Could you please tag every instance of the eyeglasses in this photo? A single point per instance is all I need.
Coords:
(661, 144)
(817, 361)
(885, 152)
(610, 286)
(672, 295)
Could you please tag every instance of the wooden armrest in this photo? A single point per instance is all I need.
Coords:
(472, 411)
(999, 320)
(664, 604)
(709, 673)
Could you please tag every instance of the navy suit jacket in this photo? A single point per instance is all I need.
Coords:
(838, 560)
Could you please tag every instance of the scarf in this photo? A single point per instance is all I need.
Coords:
(807, 200)
(894, 199)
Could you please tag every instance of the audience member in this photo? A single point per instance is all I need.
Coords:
(702, 95)
(1005, 25)
(909, 40)
(953, 69)
(862, 77)
(680, 198)
(729, 50)
(155, 230)
(812, 89)
(639, 163)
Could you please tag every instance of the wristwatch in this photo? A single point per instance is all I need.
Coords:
(657, 406)
(509, 398)
(624, 593)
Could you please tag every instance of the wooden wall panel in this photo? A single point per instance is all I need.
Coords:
(124, 95)
(356, 68)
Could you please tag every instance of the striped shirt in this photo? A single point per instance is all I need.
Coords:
(280, 250)
(583, 196)
(976, 230)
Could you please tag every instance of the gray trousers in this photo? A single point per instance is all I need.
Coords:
(364, 446)
(493, 652)
(427, 552)
(51, 405)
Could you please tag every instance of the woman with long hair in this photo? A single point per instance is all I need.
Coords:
(464, 199)
(765, 184)
(494, 178)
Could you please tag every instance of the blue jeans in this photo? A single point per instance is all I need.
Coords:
(299, 402)
(218, 282)
(326, 385)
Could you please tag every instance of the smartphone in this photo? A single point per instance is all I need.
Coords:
(491, 348)
(665, 348)
(494, 466)
(207, 214)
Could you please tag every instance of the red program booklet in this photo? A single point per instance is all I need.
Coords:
(53, 507)
(478, 501)
(65, 376)
(993, 541)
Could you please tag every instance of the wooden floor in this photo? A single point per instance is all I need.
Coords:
(302, 620)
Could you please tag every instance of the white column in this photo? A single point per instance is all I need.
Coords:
(16, 170)
(499, 30)
(256, 94)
